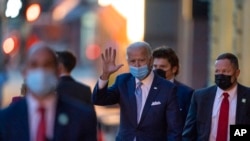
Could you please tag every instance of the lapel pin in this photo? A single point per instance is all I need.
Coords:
(155, 88)
(63, 119)
(243, 100)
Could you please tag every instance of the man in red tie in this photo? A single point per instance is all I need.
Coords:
(215, 108)
(43, 115)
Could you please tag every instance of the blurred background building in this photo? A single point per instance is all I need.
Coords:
(198, 30)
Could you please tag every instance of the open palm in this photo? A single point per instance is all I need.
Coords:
(108, 60)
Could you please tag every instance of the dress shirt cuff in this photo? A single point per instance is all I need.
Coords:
(102, 83)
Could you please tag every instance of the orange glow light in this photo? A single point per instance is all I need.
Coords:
(133, 13)
(93, 52)
(63, 8)
(8, 45)
(33, 12)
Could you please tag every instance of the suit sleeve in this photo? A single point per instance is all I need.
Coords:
(1, 127)
(189, 131)
(106, 96)
(3, 130)
(90, 127)
(173, 118)
(188, 101)
(88, 95)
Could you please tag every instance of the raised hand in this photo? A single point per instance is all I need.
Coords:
(108, 63)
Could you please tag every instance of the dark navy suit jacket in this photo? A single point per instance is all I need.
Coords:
(69, 87)
(158, 122)
(198, 123)
(81, 126)
(184, 95)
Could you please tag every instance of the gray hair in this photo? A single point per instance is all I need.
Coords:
(42, 46)
(141, 44)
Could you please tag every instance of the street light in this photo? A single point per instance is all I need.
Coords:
(33, 12)
(13, 8)
(10, 44)
(93, 52)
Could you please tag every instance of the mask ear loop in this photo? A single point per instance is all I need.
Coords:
(233, 75)
(235, 80)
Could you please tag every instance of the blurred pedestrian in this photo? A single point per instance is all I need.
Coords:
(149, 108)
(43, 115)
(166, 63)
(23, 93)
(4, 60)
(213, 109)
(68, 86)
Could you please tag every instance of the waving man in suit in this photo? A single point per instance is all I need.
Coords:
(149, 109)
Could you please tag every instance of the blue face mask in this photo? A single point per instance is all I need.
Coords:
(41, 82)
(139, 72)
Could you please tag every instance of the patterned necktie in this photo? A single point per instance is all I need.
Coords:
(223, 119)
(41, 129)
(138, 95)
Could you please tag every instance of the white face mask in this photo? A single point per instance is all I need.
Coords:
(41, 82)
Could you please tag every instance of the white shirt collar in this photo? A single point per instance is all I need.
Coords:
(232, 93)
(172, 80)
(49, 102)
(147, 81)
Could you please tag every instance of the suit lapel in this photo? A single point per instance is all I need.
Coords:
(208, 105)
(21, 122)
(177, 83)
(151, 97)
(241, 104)
(59, 126)
(132, 99)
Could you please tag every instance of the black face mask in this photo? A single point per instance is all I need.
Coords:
(161, 73)
(223, 81)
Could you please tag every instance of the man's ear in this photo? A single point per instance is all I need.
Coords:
(174, 70)
(151, 61)
(60, 68)
(237, 73)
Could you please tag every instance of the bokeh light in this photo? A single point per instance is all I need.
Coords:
(8, 45)
(93, 52)
(13, 8)
(61, 10)
(33, 12)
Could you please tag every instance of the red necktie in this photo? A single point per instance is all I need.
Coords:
(41, 130)
(223, 119)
